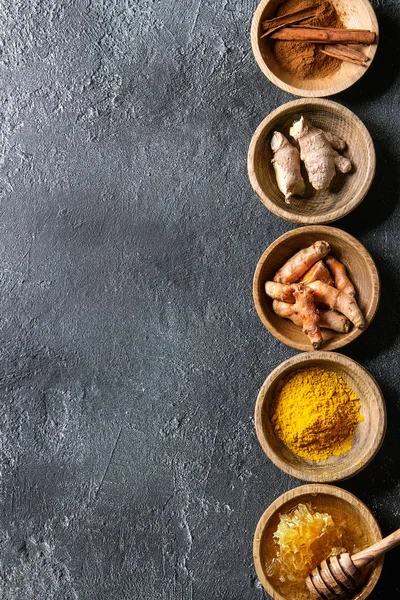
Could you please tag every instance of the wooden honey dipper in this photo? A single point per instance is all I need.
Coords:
(338, 576)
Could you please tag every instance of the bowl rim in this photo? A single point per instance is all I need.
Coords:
(345, 339)
(335, 213)
(298, 91)
(302, 360)
(312, 489)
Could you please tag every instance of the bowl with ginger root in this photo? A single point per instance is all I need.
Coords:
(311, 161)
(316, 288)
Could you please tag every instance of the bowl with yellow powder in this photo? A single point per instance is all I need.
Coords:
(301, 67)
(320, 416)
(303, 527)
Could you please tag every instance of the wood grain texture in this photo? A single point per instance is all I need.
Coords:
(326, 498)
(337, 572)
(369, 434)
(341, 578)
(346, 192)
(369, 554)
(356, 14)
(360, 268)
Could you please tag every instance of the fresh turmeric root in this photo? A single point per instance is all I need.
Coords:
(318, 272)
(337, 300)
(323, 294)
(296, 266)
(305, 308)
(338, 270)
(279, 291)
(328, 319)
(317, 152)
(302, 309)
(286, 163)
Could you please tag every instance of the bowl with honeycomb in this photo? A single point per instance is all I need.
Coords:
(328, 521)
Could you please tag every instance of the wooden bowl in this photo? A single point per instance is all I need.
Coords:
(323, 498)
(369, 433)
(346, 190)
(360, 268)
(355, 14)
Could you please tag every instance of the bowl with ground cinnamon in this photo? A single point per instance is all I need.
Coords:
(314, 48)
(320, 416)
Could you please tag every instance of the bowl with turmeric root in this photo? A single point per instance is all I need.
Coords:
(311, 161)
(316, 287)
(320, 416)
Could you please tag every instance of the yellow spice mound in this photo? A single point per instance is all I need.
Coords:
(315, 413)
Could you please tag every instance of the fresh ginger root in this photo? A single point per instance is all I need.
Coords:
(335, 141)
(318, 272)
(338, 270)
(305, 308)
(296, 266)
(337, 300)
(317, 152)
(286, 162)
(328, 319)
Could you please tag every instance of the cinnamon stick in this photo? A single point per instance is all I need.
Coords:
(278, 22)
(325, 27)
(345, 53)
(324, 35)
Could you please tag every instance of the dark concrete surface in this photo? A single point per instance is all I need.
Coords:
(131, 354)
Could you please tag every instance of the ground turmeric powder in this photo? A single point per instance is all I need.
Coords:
(315, 413)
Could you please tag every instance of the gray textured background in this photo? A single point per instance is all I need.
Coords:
(131, 353)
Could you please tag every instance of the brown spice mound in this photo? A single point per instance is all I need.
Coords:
(304, 59)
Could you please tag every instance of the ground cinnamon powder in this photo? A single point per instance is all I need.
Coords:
(304, 59)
